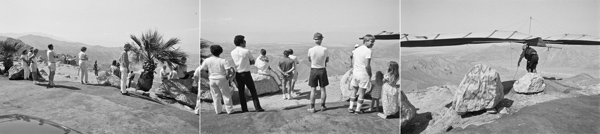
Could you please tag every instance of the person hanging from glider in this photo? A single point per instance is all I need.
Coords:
(532, 58)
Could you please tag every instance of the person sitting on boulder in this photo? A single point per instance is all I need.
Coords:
(164, 75)
(220, 71)
(173, 75)
(390, 91)
(130, 77)
(532, 58)
(114, 69)
(287, 67)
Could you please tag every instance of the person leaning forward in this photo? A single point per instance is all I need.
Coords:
(243, 59)
(532, 58)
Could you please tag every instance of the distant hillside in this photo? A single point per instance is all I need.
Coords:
(104, 55)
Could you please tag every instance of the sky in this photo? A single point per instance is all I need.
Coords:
(104, 22)
(550, 17)
(460, 17)
(293, 21)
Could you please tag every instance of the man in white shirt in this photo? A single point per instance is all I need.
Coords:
(83, 58)
(318, 58)
(243, 59)
(361, 72)
(51, 64)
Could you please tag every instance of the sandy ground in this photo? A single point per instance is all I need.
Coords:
(94, 108)
(290, 116)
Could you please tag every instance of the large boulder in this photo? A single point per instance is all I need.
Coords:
(530, 83)
(407, 110)
(481, 88)
(16, 72)
(108, 79)
(264, 84)
(176, 90)
(347, 89)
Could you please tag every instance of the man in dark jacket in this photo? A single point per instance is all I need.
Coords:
(532, 58)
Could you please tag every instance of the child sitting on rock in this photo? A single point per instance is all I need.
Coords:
(376, 91)
(390, 91)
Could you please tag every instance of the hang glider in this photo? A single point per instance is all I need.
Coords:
(495, 37)
(384, 35)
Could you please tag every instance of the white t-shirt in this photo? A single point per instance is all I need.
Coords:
(360, 56)
(318, 55)
(263, 67)
(297, 62)
(217, 67)
(241, 57)
(50, 55)
(82, 57)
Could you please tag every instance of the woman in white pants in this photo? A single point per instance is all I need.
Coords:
(25, 64)
(83, 73)
(124, 68)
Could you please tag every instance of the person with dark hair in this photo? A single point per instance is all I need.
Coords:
(262, 63)
(51, 64)
(181, 69)
(220, 72)
(286, 68)
(83, 58)
(114, 69)
(361, 73)
(25, 64)
(532, 58)
(130, 77)
(243, 59)
(124, 68)
(34, 66)
(318, 56)
(96, 68)
(295, 70)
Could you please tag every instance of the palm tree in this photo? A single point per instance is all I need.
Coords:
(151, 49)
(7, 52)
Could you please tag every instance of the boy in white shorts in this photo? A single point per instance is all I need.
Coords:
(361, 72)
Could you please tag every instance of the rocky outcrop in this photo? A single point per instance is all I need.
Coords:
(16, 73)
(481, 88)
(108, 79)
(176, 90)
(264, 84)
(345, 87)
(530, 83)
(407, 110)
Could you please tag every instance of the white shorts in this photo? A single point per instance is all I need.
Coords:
(52, 66)
(361, 82)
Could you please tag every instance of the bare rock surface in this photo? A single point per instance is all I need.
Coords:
(530, 83)
(480, 89)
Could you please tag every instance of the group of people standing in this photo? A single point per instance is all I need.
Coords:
(29, 59)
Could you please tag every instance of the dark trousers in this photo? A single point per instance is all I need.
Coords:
(244, 79)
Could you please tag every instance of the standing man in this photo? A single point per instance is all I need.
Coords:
(532, 58)
(83, 58)
(51, 64)
(124, 68)
(318, 58)
(361, 72)
(96, 68)
(243, 59)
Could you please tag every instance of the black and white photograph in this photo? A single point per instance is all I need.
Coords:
(110, 66)
(503, 66)
(306, 66)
